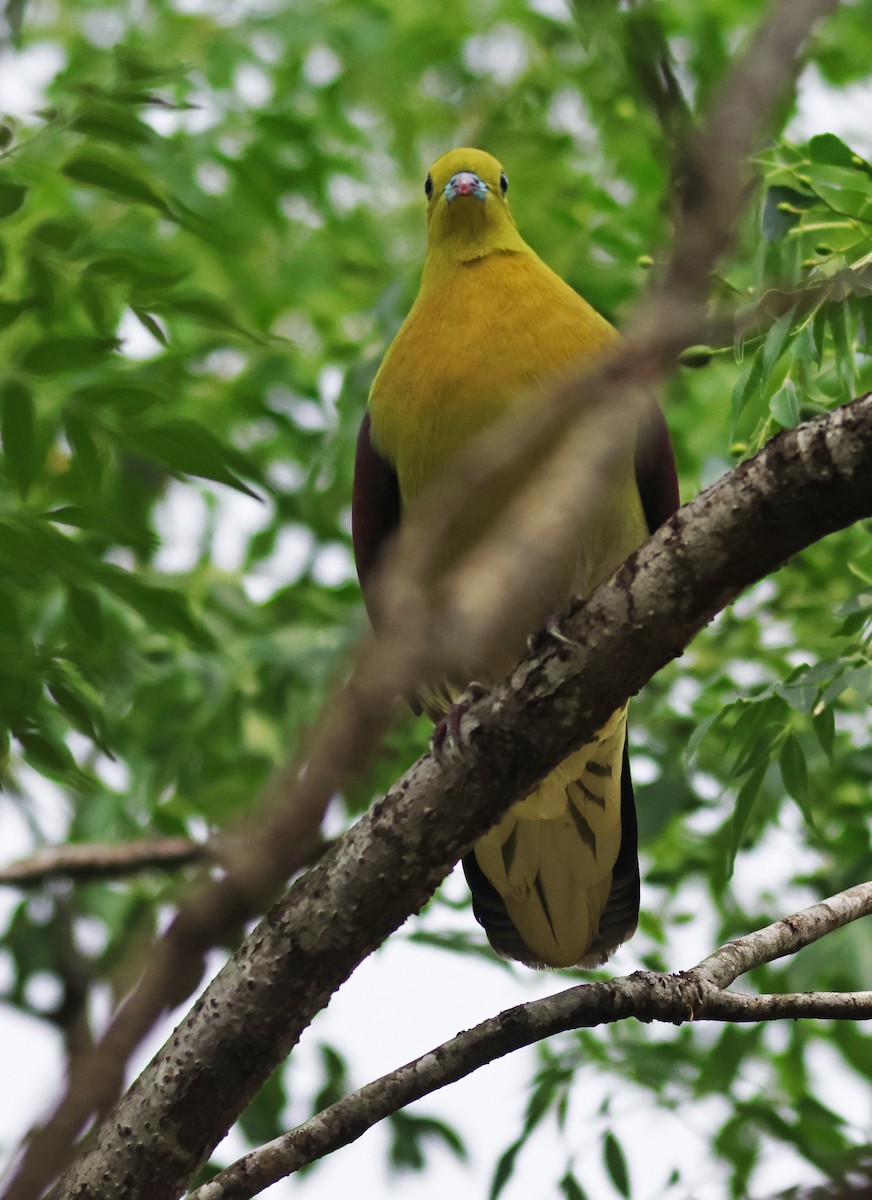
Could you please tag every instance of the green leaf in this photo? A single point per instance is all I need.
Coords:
(751, 732)
(842, 334)
(860, 602)
(205, 309)
(748, 385)
(335, 1084)
(801, 689)
(80, 705)
(56, 354)
(59, 235)
(777, 338)
(616, 1164)
(141, 270)
(851, 202)
(819, 332)
(409, 1134)
(794, 772)
(115, 175)
(86, 611)
(784, 406)
(824, 725)
(160, 606)
(699, 734)
(189, 448)
(47, 752)
(742, 814)
(77, 518)
(132, 399)
(857, 678)
(831, 150)
(505, 1169)
(86, 457)
(11, 197)
(11, 310)
(571, 1188)
(18, 431)
(112, 123)
(148, 322)
(781, 211)
(262, 1119)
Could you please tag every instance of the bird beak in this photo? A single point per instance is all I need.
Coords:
(465, 183)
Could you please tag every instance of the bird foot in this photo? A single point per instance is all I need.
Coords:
(446, 739)
(551, 632)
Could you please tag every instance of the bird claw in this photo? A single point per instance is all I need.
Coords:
(550, 633)
(446, 738)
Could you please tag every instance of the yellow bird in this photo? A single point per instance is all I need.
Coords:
(556, 881)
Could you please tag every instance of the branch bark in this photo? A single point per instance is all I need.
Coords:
(806, 483)
(694, 995)
(102, 860)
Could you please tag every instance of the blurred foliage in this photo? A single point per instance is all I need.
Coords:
(209, 232)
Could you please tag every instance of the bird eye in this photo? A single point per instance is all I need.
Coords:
(428, 187)
(504, 183)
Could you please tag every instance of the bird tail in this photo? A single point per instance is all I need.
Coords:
(556, 882)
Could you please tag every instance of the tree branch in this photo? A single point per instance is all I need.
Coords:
(695, 995)
(805, 483)
(102, 860)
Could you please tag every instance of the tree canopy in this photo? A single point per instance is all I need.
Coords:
(211, 225)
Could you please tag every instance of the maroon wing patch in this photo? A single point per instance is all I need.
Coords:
(656, 477)
(375, 505)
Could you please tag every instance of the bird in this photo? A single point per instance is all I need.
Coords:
(555, 883)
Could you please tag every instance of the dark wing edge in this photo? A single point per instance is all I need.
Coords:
(657, 481)
(656, 477)
(375, 507)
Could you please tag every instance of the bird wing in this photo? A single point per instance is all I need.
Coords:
(656, 477)
(375, 507)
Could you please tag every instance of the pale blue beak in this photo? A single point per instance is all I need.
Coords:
(465, 183)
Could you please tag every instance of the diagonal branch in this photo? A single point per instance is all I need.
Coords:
(695, 995)
(805, 483)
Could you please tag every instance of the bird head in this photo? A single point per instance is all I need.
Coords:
(468, 215)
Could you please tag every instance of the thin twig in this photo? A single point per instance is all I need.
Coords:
(694, 995)
(102, 860)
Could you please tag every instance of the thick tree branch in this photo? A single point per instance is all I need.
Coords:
(102, 860)
(695, 995)
(807, 482)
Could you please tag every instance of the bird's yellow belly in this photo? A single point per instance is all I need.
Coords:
(423, 414)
